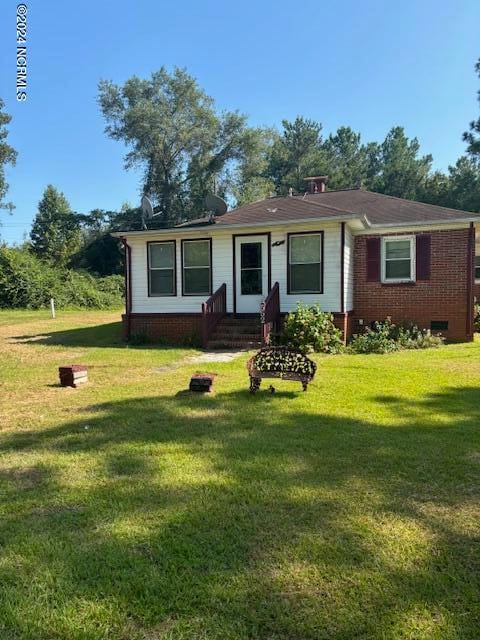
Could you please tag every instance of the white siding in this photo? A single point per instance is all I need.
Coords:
(348, 290)
(222, 262)
(142, 303)
(329, 300)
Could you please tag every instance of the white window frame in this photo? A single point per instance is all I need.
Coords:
(321, 239)
(477, 255)
(209, 266)
(173, 268)
(412, 277)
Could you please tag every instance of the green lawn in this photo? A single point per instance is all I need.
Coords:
(132, 510)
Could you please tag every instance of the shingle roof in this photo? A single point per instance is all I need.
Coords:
(377, 208)
(277, 209)
(383, 209)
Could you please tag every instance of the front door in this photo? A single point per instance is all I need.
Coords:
(251, 272)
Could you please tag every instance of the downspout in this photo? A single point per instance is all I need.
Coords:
(342, 268)
(342, 281)
(128, 286)
(470, 278)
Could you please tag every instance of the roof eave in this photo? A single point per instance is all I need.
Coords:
(240, 225)
(423, 223)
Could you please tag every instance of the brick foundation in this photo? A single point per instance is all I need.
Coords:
(445, 296)
(169, 328)
(186, 328)
(344, 322)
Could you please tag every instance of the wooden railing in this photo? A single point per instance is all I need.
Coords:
(213, 310)
(270, 312)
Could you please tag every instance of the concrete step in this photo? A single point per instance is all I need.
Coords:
(236, 336)
(234, 344)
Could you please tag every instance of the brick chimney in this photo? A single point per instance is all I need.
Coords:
(317, 184)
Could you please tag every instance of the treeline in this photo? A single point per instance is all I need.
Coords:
(27, 282)
(187, 149)
(69, 257)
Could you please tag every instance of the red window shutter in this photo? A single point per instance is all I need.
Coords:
(373, 259)
(423, 257)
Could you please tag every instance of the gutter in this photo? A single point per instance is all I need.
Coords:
(425, 223)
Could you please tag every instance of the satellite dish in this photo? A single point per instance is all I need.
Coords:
(217, 205)
(147, 208)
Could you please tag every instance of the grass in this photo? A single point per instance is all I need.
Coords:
(132, 510)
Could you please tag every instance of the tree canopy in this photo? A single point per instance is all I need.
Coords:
(472, 136)
(55, 234)
(173, 131)
(188, 149)
(8, 155)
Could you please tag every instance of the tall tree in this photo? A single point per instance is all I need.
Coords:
(464, 184)
(347, 159)
(174, 133)
(473, 135)
(437, 190)
(55, 234)
(250, 181)
(402, 172)
(296, 154)
(8, 155)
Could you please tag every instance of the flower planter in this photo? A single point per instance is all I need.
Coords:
(280, 362)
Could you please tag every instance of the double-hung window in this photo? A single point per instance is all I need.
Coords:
(161, 268)
(398, 259)
(196, 267)
(305, 263)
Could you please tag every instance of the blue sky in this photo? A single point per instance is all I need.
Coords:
(370, 65)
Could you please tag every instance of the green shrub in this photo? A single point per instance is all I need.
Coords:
(385, 337)
(311, 329)
(28, 282)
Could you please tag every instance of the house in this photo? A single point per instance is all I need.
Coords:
(227, 280)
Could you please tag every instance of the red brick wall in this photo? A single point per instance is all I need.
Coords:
(169, 328)
(442, 297)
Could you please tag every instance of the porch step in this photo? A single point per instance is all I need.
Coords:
(236, 336)
(240, 322)
(246, 345)
(236, 333)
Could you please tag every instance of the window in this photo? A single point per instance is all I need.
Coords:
(161, 269)
(398, 263)
(305, 263)
(197, 270)
(251, 268)
(477, 267)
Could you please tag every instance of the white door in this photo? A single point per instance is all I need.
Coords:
(251, 272)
